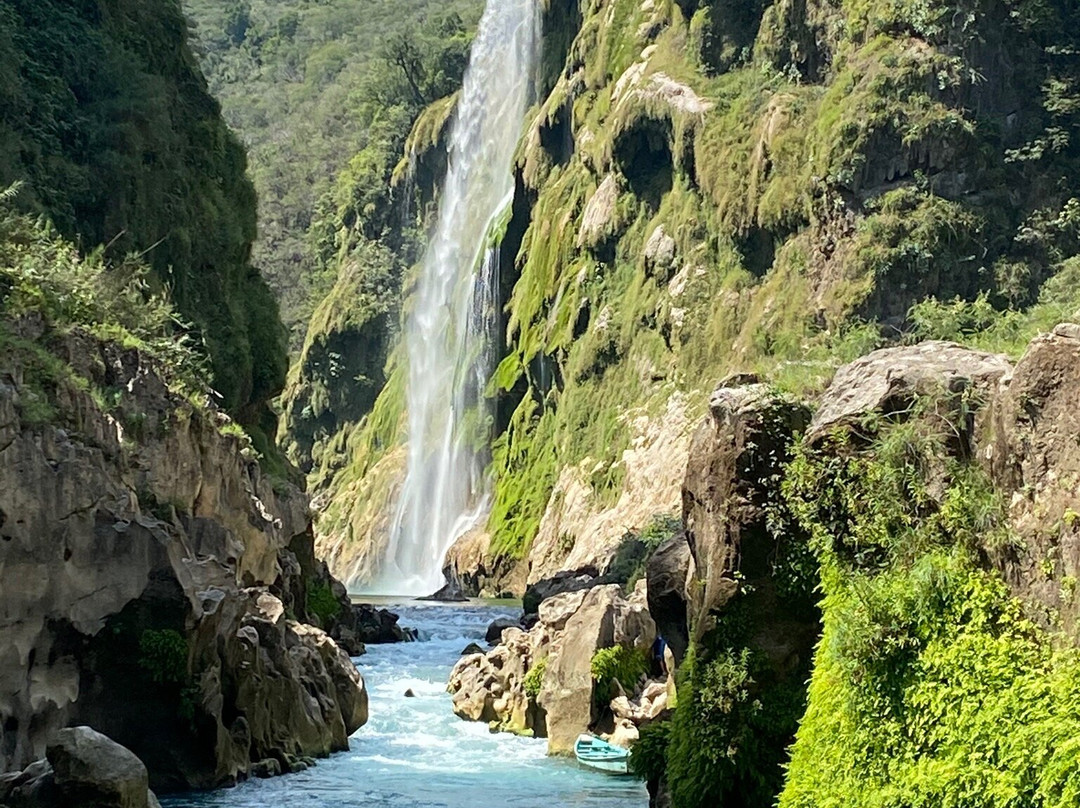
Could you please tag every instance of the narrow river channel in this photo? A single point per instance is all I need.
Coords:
(415, 753)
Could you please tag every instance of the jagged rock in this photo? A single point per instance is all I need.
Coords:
(148, 569)
(668, 575)
(469, 564)
(625, 734)
(269, 767)
(564, 581)
(889, 379)
(1028, 442)
(490, 687)
(495, 630)
(735, 453)
(602, 619)
(570, 628)
(378, 626)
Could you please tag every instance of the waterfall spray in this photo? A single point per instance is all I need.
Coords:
(453, 317)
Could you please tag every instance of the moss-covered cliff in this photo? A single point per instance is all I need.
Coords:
(709, 187)
(107, 119)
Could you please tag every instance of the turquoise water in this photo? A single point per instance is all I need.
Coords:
(415, 753)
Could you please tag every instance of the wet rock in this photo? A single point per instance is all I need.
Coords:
(450, 592)
(470, 649)
(409, 694)
(376, 626)
(495, 629)
(269, 767)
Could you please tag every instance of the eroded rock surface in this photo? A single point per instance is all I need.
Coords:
(559, 703)
(1029, 442)
(155, 580)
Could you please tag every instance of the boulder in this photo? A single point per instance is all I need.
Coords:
(888, 380)
(567, 695)
(84, 768)
(496, 687)
(377, 626)
(470, 649)
(564, 581)
(495, 630)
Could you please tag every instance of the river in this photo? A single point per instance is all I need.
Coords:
(415, 753)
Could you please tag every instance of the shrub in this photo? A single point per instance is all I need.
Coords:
(163, 654)
(321, 602)
(649, 758)
(617, 664)
(534, 679)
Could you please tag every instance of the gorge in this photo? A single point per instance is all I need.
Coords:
(720, 357)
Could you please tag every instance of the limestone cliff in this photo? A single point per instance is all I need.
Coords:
(158, 586)
(706, 188)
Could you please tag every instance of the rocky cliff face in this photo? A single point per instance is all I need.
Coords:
(904, 541)
(707, 190)
(157, 585)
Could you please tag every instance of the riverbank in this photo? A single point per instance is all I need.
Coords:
(414, 752)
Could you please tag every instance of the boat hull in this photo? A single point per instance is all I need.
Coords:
(596, 754)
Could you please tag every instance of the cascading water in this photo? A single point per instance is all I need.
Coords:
(450, 328)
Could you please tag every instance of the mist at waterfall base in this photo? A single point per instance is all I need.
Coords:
(453, 313)
(415, 753)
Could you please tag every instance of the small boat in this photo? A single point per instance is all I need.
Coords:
(600, 755)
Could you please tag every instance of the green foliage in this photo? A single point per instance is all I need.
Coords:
(734, 718)
(534, 679)
(44, 274)
(106, 118)
(323, 95)
(649, 757)
(617, 664)
(321, 602)
(930, 687)
(163, 654)
(636, 548)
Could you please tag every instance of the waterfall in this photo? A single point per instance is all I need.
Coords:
(453, 317)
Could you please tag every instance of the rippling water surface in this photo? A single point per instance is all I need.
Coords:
(415, 753)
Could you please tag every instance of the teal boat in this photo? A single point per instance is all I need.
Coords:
(600, 755)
